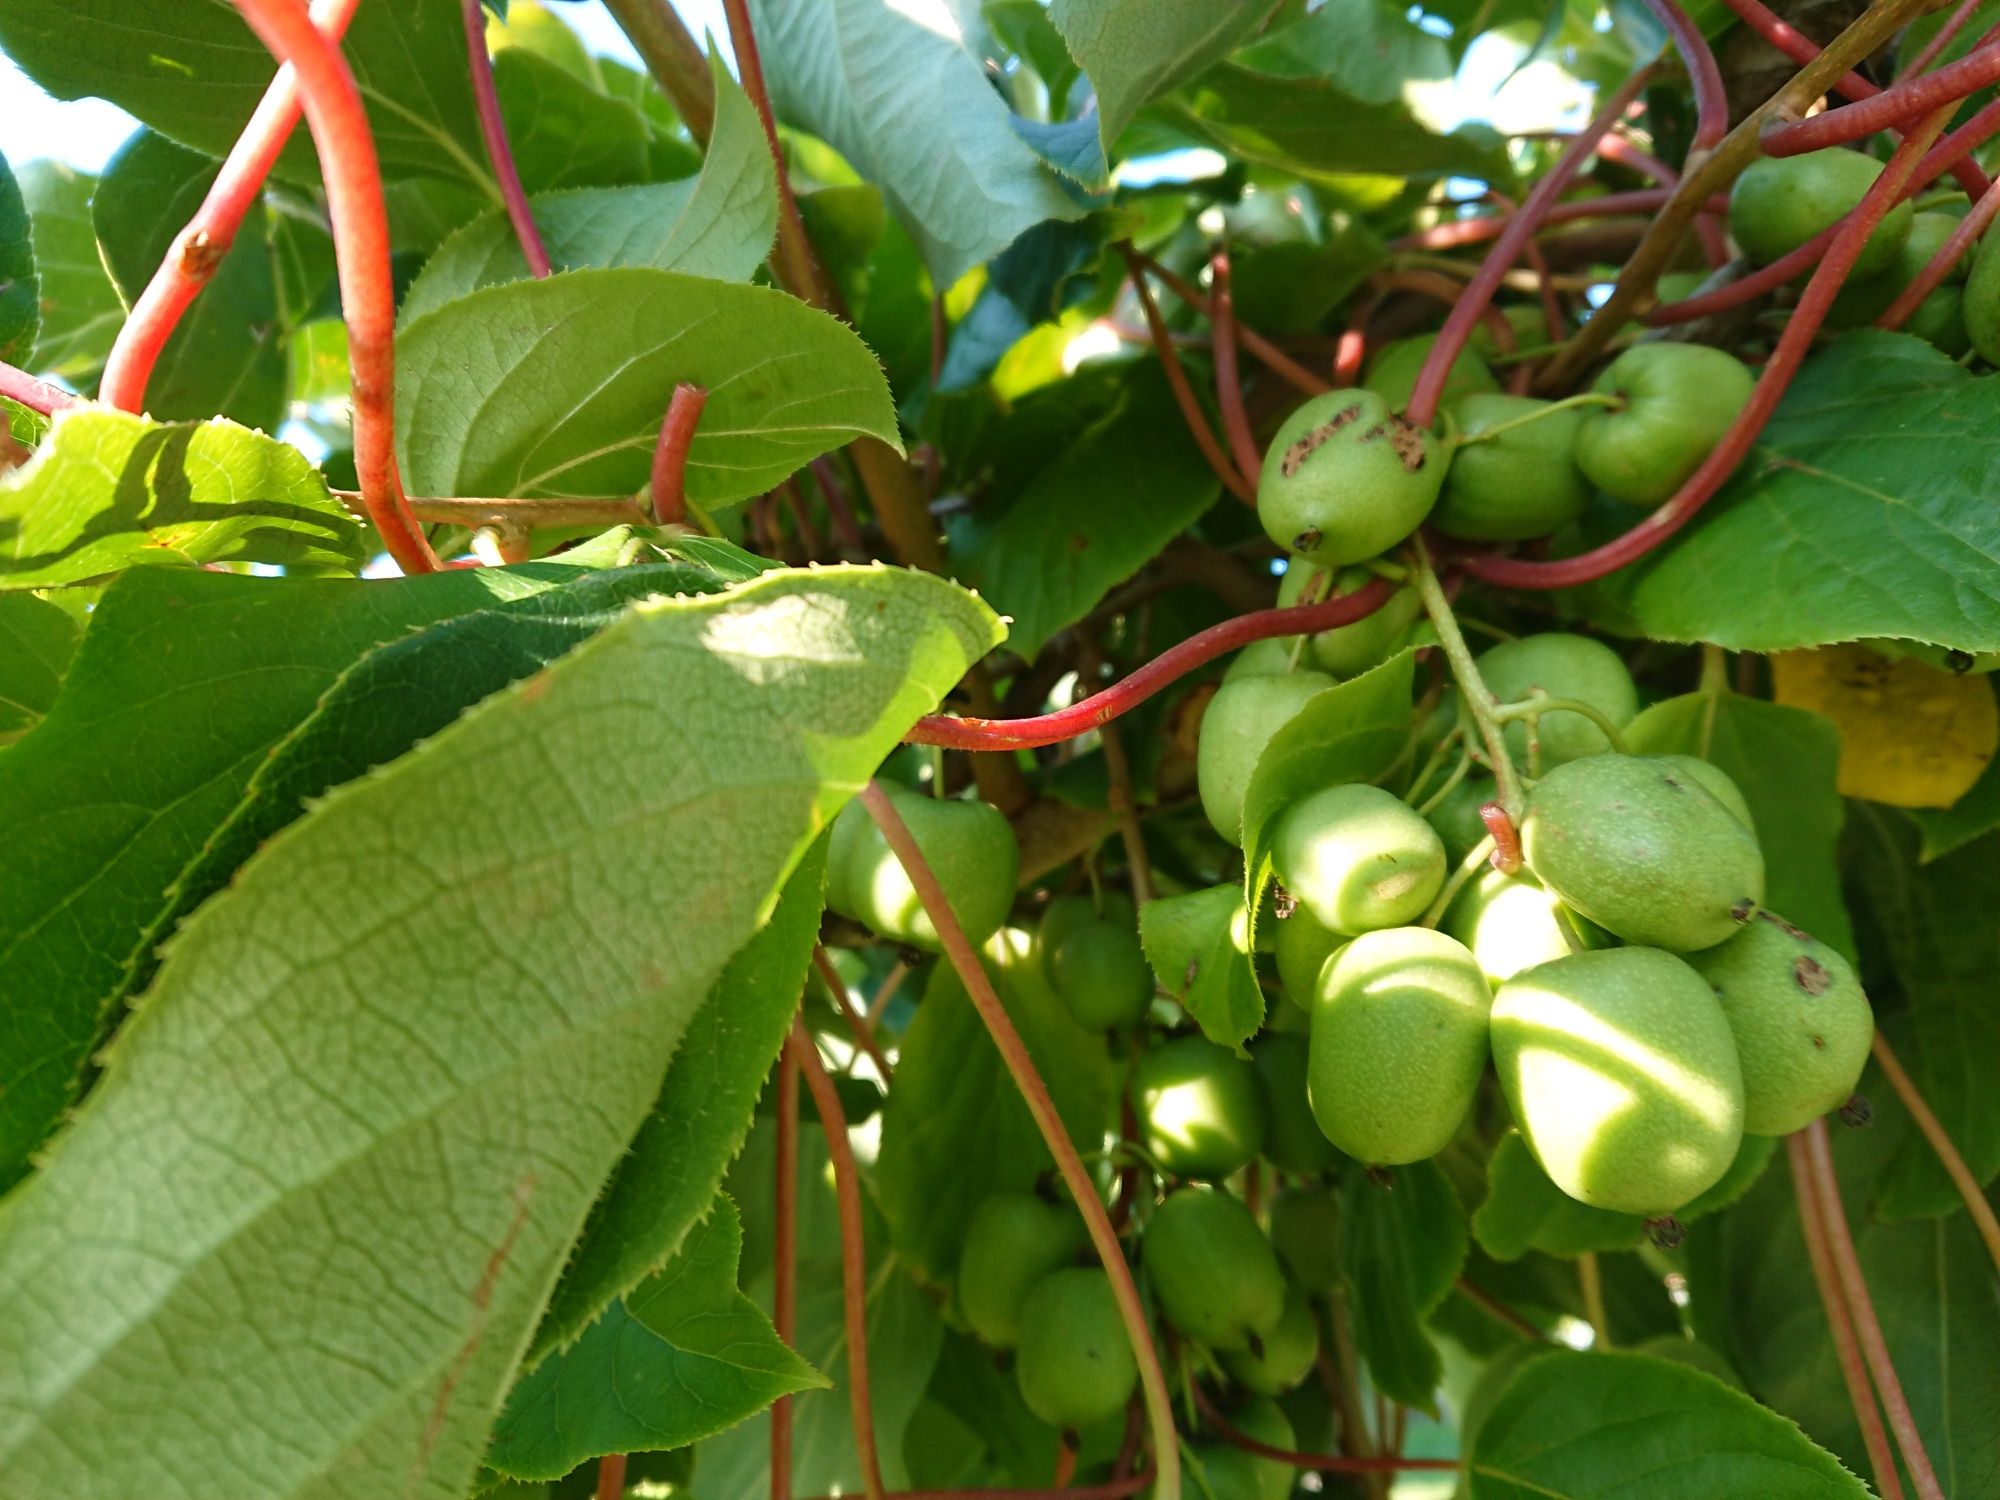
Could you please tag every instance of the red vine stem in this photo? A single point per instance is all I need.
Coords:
(1867, 1328)
(1494, 1308)
(1177, 381)
(1892, 106)
(1228, 380)
(191, 261)
(346, 147)
(1772, 382)
(1274, 358)
(37, 395)
(1940, 1142)
(670, 453)
(611, 1477)
(1960, 240)
(1021, 1066)
(1478, 293)
(853, 1250)
(957, 733)
(800, 267)
(1320, 1462)
(785, 1259)
(1616, 148)
(1937, 44)
(1711, 104)
(493, 129)
(864, 1032)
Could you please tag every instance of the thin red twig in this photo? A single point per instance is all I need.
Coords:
(191, 261)
(1111, 1489)
(1177, 382)
(853, 1251)
(1228, 378)
(670, 453)
(1498, 1310)
(1478, 294)
(1964, 234)
(1867, 1327)
(1940, 1142)
(1772, 382)
(1892, 106)
(1275, 359)
(1458, 233)
(1021, 1066)
(965, 733)
(1711, 104)
(346, 147)
(864, 1032)
(1951, 28)
(493, 130)
(1323, 1463)
(611, 1477)
(37, 395)
(785, 1260)
(799, 267)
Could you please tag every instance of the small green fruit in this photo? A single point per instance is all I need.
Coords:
(1509, 923)
(1392, 373)
(1013, 1241)
(1644, 850)
(1676, 402)
(1222, 1471)
(1720, 787)
(1346, 479)
(1802, 1024)
(1200, 1107)
(1305, 1231)
(1457, 819)
(1358, 858)
(1562, 666)
(1235, 728)
(1286, 1353)
(1863, 301)
(1940, 321)
(1621, 1071)
(1292, 1141)
(1350, 650)
(1263, 1419)
(1520, 484)
(1216, 1277)
(1398, 1044)
(1100, 973)
(1075, 1364)
(1781, 202)
(1303, 945)
(970, 846)
(1270, 657)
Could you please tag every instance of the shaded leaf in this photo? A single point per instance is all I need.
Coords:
(1524, 1211)
(1135, 50)
(20, 288)
(1369, 49)
(1199, 947)
(566, 134)
(1402, 1244)
(1032, 281)
(37, 639)
(81, 313)
(1948, 829)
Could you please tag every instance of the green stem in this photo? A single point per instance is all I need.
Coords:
(1473, 692)
(1568, 403)
(1592, 1284)
(1459, 772)
(1478, 856)
(1535, 707)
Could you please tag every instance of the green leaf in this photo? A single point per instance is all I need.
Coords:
(1095, 515)
(858, 73)
(1402, 1245)
(1946, 830)
(37, 639)
(1034, 280)
(1199, 946)
(701, 1117)
(1525, 1211)
(226, 357)
(1937, 942)
(682, 1356)
(455, 1061)
(194, 72)
(475, 380)
(81, 313)
(1294, 287)
(1135, 50)
(566, 134)
(1784, 760)
(109, 490)
(20, 287)
(1862, 511)
(718, 224)
(955, 1129)
(1368, 49)
(1576, 1426)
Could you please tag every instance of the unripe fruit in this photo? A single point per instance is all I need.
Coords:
(1346, 479)
(1392, 373)
(1350, 650)
(1303, 945)
(1508, 922)
(1643, 850)
(1263, 1419)
(1235, 728)
(1982, 300)
(1717, 781)
(1677, 400)
(1457, 819)
(1075, 1365)
(1270, 657)
(1780, 202)
(1621, 1071)
(1222, 1471)
(1286, 1355)
(1305, 1231)
(1100, 973)
(1863, 301)
(1069, 914)
(1398, 1044)
(1562, 666)
(971, 849)
(1520, 484)
(1802, 1024)
(1200, 1107)
(1292, 1139)
(1013, 1241)
(1939, 320)
(1216, 1278)
(1358, 858)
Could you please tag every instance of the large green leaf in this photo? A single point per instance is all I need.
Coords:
(1574, 1426)
(1135, 50)
(81, 313)
(1951, 828)
(1198, 944)
(226, 357)
(193, 71)
(718, 224)
(1403, 1241)
(1100, 511)
(412, 1102)
(566, 134)
(1864, 510)
(680, 1357)
(20, 287)
(1370, 49)
(108, 490)
(1523, 1210)
(37, 639)
(955, 1128)
(558, 387)
(894, 91)
(1784, 760)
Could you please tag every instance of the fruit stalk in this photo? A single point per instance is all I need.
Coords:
(863, 1029)
(670, 453)
(191, 261)
(853, 1250)
(339, 126)
(1954, 24)
(493, 130)
(1014, 1052)
(1940, 1142)
(1228, 379)
(1473, 691)
(1177, 382)
(785, 1259)
(1279, 362)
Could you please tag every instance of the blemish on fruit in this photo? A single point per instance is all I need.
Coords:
(1812, 976)
(1301, 450)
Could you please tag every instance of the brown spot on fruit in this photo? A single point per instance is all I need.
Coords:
(1308, 540)
(1666, 1232)
(1297, 452)
(1857, 1112)
(1409, 443)
(1810, 975)
(1796, 934)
